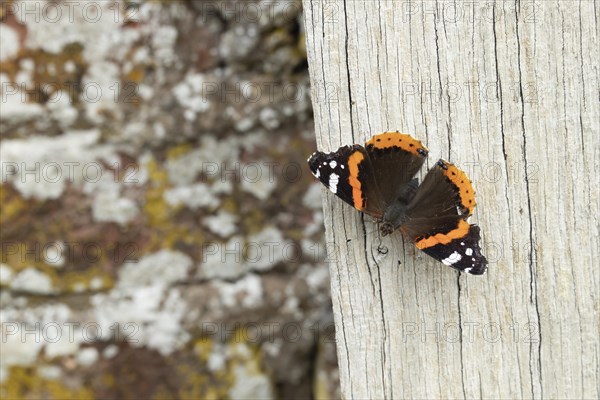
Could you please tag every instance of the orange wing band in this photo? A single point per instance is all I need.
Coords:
(444, 238)
(396, 139)
(357, 194)
(459, 178)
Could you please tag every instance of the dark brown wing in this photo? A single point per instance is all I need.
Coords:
(396, 158)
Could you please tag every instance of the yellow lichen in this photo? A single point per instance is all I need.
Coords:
(202, 348)
(254, 221)
(156, 208)
(13, 205)
(165, 232)
(24, 382)
(198, 384)
(230, 205)
(136, 74)
(178, 151)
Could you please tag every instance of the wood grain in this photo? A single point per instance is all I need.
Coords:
(509, 92)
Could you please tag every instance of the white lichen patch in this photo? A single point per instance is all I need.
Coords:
(258, 180)
(110, 351)
(291, 306)
(222, 187)
(273, 347)
(145, 316)
(163, 40)
(236, 257)
(250, 385)
(24, 77)
(109, 205)
(185, 169)
(244, 124)
(40, 167)
(53, 254)
(269, 118)
(65, 26)
(193, 196)
(15, 106)
(101, 85)
(50, 372)
(114, 209)
(222, 224)
(96, 283)
(249, 381)
(317, 277)
(164, 267)
(78, 287)
(247, 292)
(61, 109)
(87, 357)
(28, 331)
(141, 174)
(9, 43)
(214, 163)
(239, 42)
(219, 153)
(18, 352)
(44, 314)
(223, 260)
(62, 344)
(267, 248)
(217, 358)
(6, 274)
(31, 280)
(96, 26)
(190, 95)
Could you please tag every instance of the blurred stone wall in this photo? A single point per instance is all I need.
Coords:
(161, 236)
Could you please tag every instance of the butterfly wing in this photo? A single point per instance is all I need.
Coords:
(348, 173)
(436, 219)
(396, 158)
(462, 253)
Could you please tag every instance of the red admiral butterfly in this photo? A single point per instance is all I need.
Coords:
(377, 179)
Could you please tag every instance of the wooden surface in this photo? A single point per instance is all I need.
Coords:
(508, 91)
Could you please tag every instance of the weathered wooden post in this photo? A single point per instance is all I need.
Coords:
(509, 92)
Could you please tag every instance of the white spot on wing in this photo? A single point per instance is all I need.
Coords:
(468, 269)
(318, 173)
(334, 179)
(469, 251)
(333, 164)
(452, 259)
